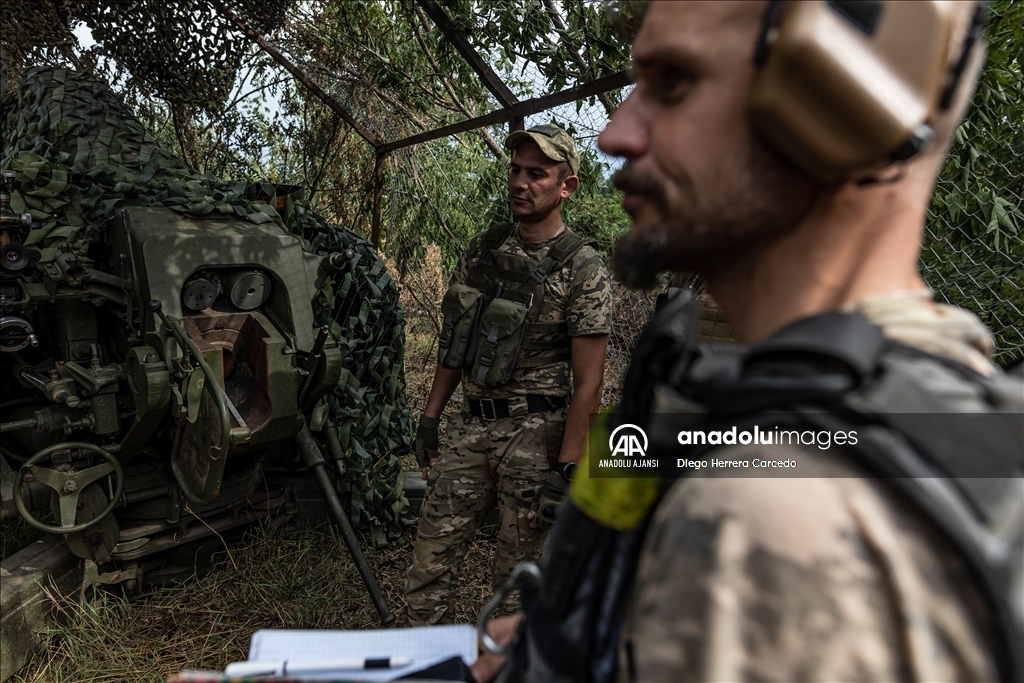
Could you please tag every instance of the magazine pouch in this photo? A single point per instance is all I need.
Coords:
(460, 309)
(501, 328)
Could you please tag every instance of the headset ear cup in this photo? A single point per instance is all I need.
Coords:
(844, 89)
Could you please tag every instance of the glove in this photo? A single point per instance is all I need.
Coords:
(426, 440)
(549, 499)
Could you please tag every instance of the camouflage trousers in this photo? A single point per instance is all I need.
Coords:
(487, 463)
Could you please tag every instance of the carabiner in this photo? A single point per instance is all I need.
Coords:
(490, 644)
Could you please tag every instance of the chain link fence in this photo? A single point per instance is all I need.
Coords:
(973, 252)
(975, 274)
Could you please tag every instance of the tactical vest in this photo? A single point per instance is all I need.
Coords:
(490, 323)
(840, 363)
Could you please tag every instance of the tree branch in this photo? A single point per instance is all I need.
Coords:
(574, 53)
(179, 133)
(327, 158)
(467, 109)
(428, 310)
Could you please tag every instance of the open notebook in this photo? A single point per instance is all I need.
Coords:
(422, 647)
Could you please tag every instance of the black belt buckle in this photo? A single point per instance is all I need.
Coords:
(486, 403)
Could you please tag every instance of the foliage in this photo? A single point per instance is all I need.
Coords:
(442, 194)
(570, 44)
(599, 216)
(37, 31)
(450, 193)
(980, 193)
(178, 50)
(230, 112)
(974, 248)
(387, 64)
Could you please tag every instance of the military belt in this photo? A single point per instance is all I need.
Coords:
(495, 408)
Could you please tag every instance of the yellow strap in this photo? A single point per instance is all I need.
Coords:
(619, 502)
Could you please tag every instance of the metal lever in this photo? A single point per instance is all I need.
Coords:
(314, 462)
(334, 448)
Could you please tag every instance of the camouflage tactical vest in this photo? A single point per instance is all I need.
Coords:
(489, 321)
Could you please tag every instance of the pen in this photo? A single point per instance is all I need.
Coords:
(287, 667)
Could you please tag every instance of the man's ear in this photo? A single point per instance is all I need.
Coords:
(569, 186)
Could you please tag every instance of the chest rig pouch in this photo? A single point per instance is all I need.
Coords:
(490, 325)
(832, 371)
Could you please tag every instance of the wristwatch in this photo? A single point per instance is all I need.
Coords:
(566, 469)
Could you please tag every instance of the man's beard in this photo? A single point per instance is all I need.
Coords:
(536, 213)
(710, 231)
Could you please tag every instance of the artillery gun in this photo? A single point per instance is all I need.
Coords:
(152, 375)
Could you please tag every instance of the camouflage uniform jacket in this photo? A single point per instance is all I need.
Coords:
(578, 295)
(831, 578)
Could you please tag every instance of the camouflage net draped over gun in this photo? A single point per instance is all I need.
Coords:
(81, 156)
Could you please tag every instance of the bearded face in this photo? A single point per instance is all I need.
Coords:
(677, 228)
(703, 193)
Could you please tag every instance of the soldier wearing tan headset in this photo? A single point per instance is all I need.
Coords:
(787, 152)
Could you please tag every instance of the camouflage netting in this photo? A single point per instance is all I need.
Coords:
(182, 50)
(81, 156)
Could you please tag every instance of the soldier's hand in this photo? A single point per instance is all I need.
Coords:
(425, 470)
(426, 443)
(548, 501)
(502, 629)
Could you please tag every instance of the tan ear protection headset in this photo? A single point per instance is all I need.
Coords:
(845, 88)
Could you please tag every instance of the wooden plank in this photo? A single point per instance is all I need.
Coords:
(26, 613)
(378, 188)
(600, 85)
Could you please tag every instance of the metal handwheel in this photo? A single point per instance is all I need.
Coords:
(68, 486)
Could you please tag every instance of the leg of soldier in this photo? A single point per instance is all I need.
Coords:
(460, 492)
(525, 447)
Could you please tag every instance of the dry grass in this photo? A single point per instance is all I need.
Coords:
(276, 580)
(421, 291)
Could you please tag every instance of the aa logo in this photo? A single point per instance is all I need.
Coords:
(628, 440)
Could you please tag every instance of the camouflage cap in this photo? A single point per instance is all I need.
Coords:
(556, 144)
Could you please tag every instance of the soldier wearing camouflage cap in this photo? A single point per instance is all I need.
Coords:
(528, 307)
